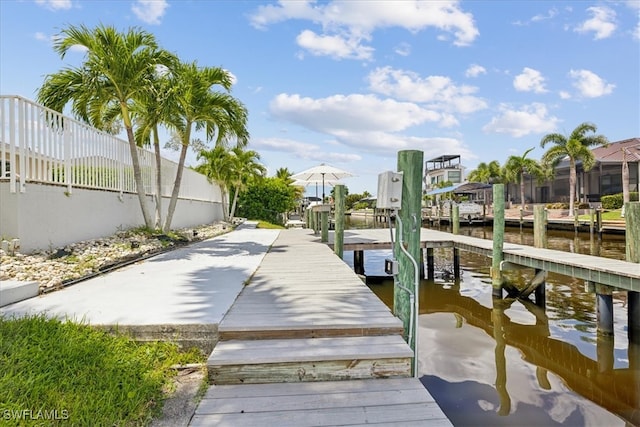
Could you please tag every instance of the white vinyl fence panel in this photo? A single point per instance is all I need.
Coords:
(41, 145)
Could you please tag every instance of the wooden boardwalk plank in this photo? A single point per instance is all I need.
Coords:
(391, 402)
(237, 352)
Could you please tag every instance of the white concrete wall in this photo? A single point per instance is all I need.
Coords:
(44, 217)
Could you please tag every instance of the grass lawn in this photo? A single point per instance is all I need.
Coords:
(64, 373)
(265, 224)
(613, 215)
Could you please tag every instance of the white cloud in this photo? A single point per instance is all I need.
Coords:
(439, 92)
(359, 121)
(529, 80)
(475, 70)
(602, 22)
(42, 37)
(633, 4)
(334, 46)
(589, 84)
(550, 14)
(564, 95)
(352, 113)
(302, 150)
(150, 11)
(352, 23)
(530, 119)
(539, 18)
(55, 4)
(403, 49)
(636, 31)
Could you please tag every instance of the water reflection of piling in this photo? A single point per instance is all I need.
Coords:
(616, 389)
(497, 315)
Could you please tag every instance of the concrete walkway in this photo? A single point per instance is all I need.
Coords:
(192, 285)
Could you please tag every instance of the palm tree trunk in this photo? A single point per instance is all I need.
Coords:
(176, 188)
(572, 185)
(156, 148)
(137, 176)
(235, 201)
(225, 204)
(522, 191)
(625, 178)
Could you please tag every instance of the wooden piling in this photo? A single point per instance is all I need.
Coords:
(540, 241)
(632, 249)
(539, 226)
(498, 238)
(604, 309)
(324, 221)
(410, 163)
(338, 240)
(599, 223)
(455, 219)
(431, 273)
(592, 214)
(358, 262)
(456, 263)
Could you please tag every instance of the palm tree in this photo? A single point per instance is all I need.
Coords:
(218, 166)
(285, 175)
(486, 173)
(246, 167)
(517, 166)
(575, 147)
(195, 106)
(115, 73)
(151, 112)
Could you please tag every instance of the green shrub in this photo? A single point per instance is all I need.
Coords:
(614, 201)
(558, 205)
(267, 199)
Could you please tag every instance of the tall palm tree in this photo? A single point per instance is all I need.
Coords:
(575, 147)
(115, 72)
(151, 112)
(246, 166)
(517, 166)
(218, 166)
(197, 105)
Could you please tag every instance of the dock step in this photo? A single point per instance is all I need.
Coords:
(392, 402)
(309, 359)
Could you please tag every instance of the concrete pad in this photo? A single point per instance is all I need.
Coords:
(13, 291)
(194, 285)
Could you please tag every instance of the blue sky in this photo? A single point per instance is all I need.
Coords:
(352, 83)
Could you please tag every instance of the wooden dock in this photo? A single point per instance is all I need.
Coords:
(308, 343)
(616, 273)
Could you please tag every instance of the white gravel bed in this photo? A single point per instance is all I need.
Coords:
(52, 268)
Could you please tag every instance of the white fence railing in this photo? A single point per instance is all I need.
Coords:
(41, 145)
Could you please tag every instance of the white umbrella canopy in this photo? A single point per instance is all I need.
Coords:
(322, 173)
(316, 182)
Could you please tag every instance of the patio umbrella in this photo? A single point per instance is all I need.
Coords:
(321, 173)
(316, 182)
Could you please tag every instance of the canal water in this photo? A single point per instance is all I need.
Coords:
(509, 362)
